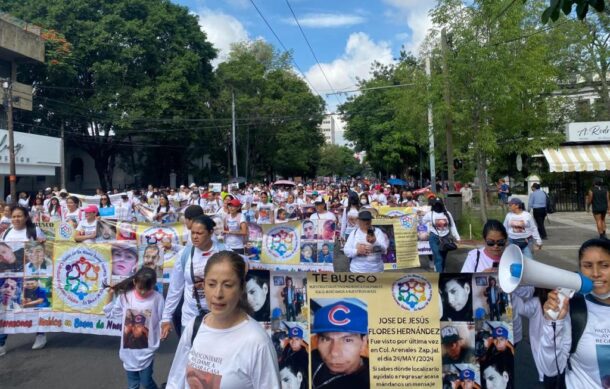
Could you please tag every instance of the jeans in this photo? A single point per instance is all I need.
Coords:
(539, 216)
(142, 377)
(438, 256)
(290, 312)
(527, 250)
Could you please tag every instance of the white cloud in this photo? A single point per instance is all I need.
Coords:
(222, 30)
(415, 12)
(355, 62)
(326, 20)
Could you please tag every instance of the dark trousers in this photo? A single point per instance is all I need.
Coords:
(539, 216)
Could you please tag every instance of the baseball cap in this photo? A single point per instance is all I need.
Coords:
(341, 316)
(449, 334)
(63, 191)
(295, 332)
(500, 331)
(193, 185)
(234, 203)
(515, 201)
(365, 215)
(91, 208)
(467, 374)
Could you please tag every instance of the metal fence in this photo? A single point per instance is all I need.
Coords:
(569, 195)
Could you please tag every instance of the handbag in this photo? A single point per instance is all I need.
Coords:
(447, 243)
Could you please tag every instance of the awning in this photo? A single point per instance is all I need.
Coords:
(586, 158)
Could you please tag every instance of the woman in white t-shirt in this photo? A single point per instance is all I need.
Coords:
(86, 231)
(587, 366)
(163, 209)
(22, 229)
(230, 349)
(235, 227)
(265, 210)
(521, 228)
(487, 259)
(442, 224)
(73, 213)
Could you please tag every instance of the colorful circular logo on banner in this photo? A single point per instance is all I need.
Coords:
(412, 292)
(407, 221)
(159, 235)
(80, 273)
(65, 231)
(282, 242)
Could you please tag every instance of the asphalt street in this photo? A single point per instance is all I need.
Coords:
(89, 361)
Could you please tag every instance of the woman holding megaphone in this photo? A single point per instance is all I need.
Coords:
(579, 339)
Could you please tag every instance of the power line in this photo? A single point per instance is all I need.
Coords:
(312, 51)
(283, 46)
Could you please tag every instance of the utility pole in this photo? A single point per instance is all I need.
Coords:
(233, 134)
(448, 116)
(63, 158)
(8, 104)
(431, 131)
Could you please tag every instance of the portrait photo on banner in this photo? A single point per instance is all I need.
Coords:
(293, 356)
(289, 296)
(462, 375)
(489, 301)
(11, 258)
(388, 231)
(258, 292)
(10, 294)
(495, 353)
(124, 259)
(37, 293)
(339, 343)
(38, 260)
(456, 296)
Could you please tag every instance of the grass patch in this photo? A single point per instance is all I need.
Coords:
(472, 217)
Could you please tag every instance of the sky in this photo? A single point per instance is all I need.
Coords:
(346, 35)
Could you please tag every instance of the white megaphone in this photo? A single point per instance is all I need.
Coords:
(515, 270)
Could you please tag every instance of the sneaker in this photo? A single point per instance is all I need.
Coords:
(40, 342)
(2, 350)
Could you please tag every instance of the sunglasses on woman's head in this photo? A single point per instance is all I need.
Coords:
(499, 242)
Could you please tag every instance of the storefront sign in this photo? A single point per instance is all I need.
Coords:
(588, 132)
(34, 154)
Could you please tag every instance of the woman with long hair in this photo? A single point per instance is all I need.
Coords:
(242, 353)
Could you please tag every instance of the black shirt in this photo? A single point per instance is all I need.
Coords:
(322, 378)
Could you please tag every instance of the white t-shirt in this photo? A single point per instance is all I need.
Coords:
(440, 225)
(137, 353)
(234, 224)
(264, 213)
(75, 217)
(592, 356)
(181, 283)
(86, 228)
(371, 263)
(323, 216)
(240, 357)
(19, 236)
(485, 262)
(521, 226)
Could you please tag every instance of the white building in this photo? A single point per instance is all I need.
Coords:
(333, 128)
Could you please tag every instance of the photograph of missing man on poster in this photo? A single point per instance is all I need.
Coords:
(462, 375)
(37, 260)
(257, 289)
(37, 293)
(294, 357)
(489, 301)
(456, 296)
(339, 340)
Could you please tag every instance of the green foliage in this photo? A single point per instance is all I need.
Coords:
(132, 61)
(566, 6)
(278, 116)
(338, 161)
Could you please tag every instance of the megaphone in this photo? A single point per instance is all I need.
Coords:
(515, 270)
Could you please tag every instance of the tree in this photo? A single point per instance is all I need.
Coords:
(502, 72)
(277, 114)
(389, 124)
(138, 70)
(582, 8)
(338, 161)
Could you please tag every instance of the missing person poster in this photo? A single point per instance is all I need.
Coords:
(393, 330)
(401, 234)
(374, 330)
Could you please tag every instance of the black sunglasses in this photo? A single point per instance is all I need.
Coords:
(499, 243)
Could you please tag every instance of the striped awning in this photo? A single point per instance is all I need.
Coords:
(586, 158)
